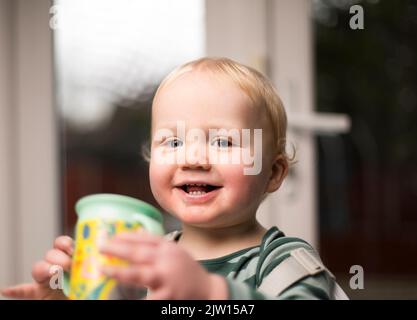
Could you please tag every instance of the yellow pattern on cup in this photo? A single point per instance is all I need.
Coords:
(87, 282)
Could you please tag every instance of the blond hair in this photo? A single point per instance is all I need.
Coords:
(259, 89)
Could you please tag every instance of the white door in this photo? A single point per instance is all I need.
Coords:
(275, 36)
(29, 214)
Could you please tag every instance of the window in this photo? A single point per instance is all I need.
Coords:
(367, 178)
(110, 57)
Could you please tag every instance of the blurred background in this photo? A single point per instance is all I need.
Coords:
(76, 83)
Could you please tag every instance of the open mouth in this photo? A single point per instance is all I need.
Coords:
(198, 189)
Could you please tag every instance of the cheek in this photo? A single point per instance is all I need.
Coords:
(160, 177)
(241, 187)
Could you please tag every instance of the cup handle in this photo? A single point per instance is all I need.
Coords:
(149, 224)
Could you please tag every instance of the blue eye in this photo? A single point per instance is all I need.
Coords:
(174, 143)
(222, 143)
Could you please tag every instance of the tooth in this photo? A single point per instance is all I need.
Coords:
(197, 193)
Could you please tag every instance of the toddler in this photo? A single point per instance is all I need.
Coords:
(218, 145)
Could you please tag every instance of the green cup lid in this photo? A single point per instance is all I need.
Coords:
(133, 203)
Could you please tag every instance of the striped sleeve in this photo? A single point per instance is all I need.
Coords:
(272, 254)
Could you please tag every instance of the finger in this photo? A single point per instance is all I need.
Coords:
(118, 249)
(22, 291)
(64, 243)
(58, 257)
(138, 237)
(143, 255)
(41, 271)
(160, 294)
(132, 275)
(128, 252)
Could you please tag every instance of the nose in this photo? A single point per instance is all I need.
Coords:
(196, 157)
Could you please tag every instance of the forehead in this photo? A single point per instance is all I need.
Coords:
(201, 99)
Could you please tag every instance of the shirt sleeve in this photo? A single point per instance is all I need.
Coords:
(310, 288)
(313, 287)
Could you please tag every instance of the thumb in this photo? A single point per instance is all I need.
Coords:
(21, 291)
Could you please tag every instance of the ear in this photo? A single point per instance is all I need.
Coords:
(279, 171)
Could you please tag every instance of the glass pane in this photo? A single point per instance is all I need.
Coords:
(110, 56)
(368, 178)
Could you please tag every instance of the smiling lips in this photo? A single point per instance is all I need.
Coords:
(198, 188)
(198, 192)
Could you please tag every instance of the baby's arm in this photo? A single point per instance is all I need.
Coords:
(170, 273)
(60, 255)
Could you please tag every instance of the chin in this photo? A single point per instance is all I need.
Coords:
(197, 216)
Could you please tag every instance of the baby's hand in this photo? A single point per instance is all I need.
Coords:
(42, 272)
(163, 267)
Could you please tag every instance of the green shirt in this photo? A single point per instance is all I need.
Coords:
(245, 269)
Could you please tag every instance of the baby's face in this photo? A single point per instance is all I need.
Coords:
(199, 187)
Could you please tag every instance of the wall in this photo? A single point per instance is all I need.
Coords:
(29, 216)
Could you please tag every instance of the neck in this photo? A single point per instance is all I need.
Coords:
(208, 243)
